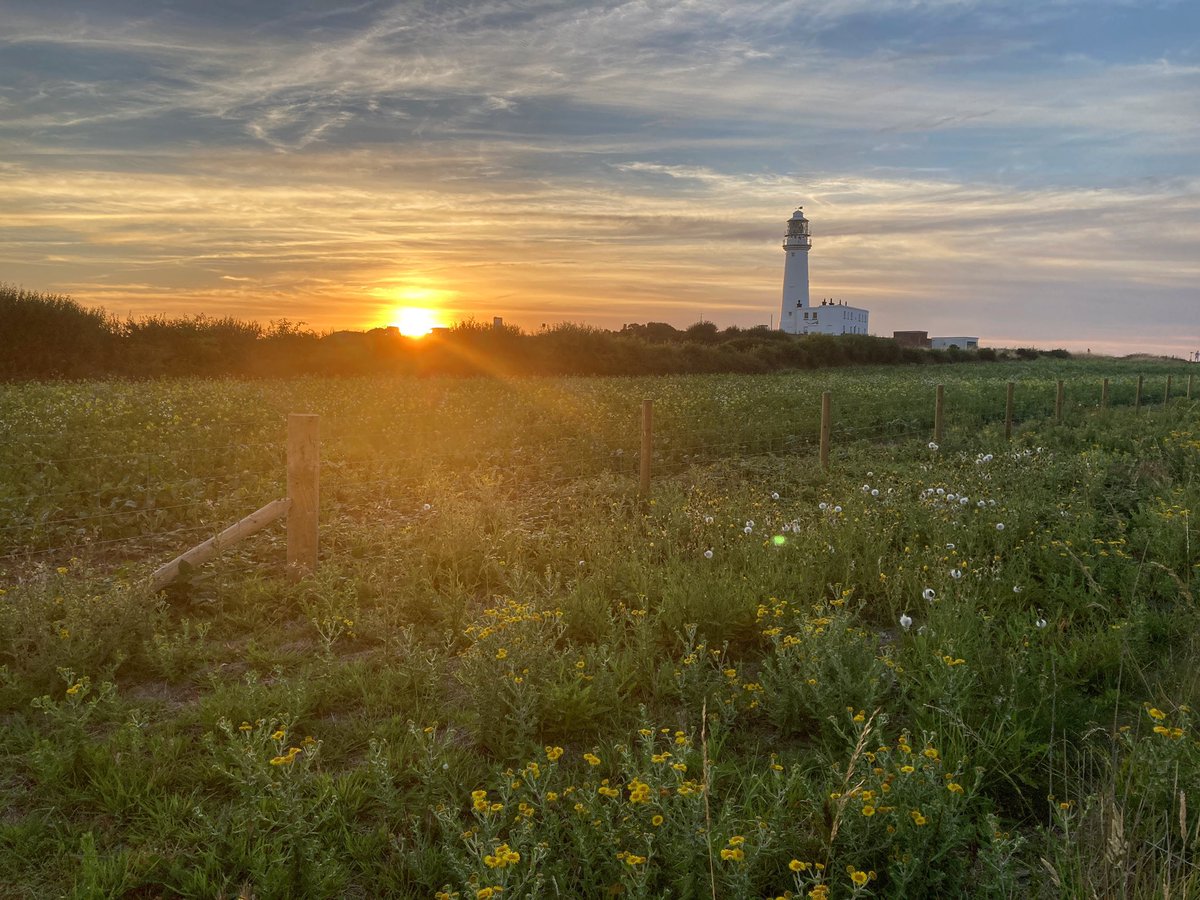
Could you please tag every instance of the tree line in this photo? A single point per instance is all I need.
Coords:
(46, 335)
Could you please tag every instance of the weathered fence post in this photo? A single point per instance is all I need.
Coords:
(1008, 411)
(1058, 403)
(647, 446)
(303, 486)
(939, 408)
(1167, 392)
(826, 428)
(1104, 395)
(1137, 398)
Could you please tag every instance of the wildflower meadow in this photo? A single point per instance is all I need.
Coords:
(965, 667)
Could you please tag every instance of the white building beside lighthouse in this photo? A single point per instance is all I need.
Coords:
(798, 316)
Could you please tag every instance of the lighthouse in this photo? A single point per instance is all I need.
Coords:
(798, 316)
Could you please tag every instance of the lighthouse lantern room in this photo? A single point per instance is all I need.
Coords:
(798, 316)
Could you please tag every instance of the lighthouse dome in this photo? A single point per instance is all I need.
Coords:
(798, 214)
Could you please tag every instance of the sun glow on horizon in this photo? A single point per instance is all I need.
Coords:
(415, 321)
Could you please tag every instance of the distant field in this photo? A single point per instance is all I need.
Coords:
(955, 670)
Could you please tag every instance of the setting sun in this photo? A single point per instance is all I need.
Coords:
(415, 321)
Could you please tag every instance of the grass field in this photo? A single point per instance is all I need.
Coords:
(963, 670)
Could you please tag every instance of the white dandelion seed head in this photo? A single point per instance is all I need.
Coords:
(1040, 623)
(1017, 589)
(708, 520)
(748, 530)
(963, 501)
(775, 495)
(956, 574)
(988, 458)
(708, 554)
(933, 445)
(837, 509)
(952, 496)
(866, 488)
(749, 523)
(999, 526)
(981, 504)
(928, 594)
(950, 547)
(905, 621)
(822, 506)
(940, 491)
(427, 507)
(875, 492)
(991, 503)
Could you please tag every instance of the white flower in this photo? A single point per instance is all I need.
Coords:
(1040, 623)
(905, 621)
(822, 506)
(956, 574)
(708, 554)
(981, 504)
(963, 501)
(837, 509)
(708, 520)
(427, 507)
(749, 523)
(933, 445)
(988, 458)
(875, 492)
(999, 526)
(949, 546)
(748, 530)
(928, 594)
(865, 488)
(991, 503)
(941, 491)
(581, 562)
(952, 496)
(775, 496)
(1017, 589)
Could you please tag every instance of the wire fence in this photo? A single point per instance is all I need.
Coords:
(74, 495)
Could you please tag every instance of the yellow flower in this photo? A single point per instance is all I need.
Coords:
(954, 787)
(592, 759)
(1156, 713)
(553, 753)
(734, 853)
(656, 821)
(930, 753)
(279, 735)
(868, 811)
(907, 770)
(501, 653)
(797, 866)
(859, 878)
(918, 818)
(484, 893)
(737, 840)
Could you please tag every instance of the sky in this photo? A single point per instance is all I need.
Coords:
(1025, 171)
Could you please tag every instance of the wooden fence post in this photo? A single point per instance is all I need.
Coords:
(1137, 398)
(1008, 412)
(647, 446)
(1167, 392)
(1104, 395)
(303, 485)
(826, 428)
(1058, 403)
(939, 408)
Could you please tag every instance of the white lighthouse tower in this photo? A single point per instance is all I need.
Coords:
(798, 316)
(796, 244)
